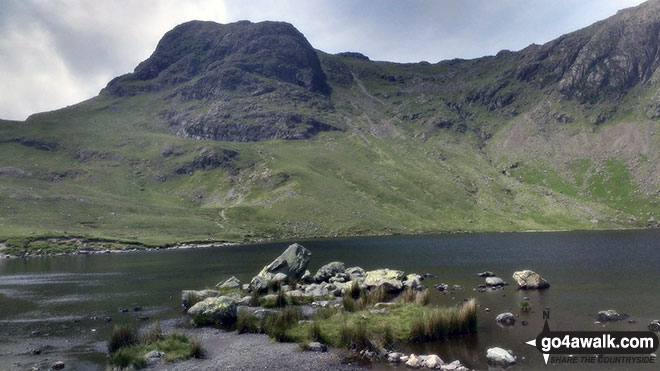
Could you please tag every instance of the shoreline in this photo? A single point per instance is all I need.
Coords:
(214, 244)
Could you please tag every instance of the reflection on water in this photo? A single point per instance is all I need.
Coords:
(65, 299)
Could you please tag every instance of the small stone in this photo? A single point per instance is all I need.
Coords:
(315, 346)
(654, 325)
(525, 323)
(432, 361)
(499, 357)
(123, 310)
(137, 309)
(495, 281)
(35, 333)
(142, 318)
(154, 357)
(486, 274)
(35, 351)
(107, 319)
(57, 365)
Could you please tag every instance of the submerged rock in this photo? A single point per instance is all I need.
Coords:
(527, 279)
(654, 325)
(216, 310)
(495, 281)
(610, 315)
(506, 319)
(486, 274)
(499, 357)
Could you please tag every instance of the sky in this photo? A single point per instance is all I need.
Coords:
(55, 53)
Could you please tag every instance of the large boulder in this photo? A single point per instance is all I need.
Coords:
(218, 310)
(389, 279)
(292, 262)
(189, 297)
(499, 357)
(230, 283)
(527, 279)
(325, 272)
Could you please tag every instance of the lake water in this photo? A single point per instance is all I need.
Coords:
(588, 271)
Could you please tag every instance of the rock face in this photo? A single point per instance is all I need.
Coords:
(292, 263)
(219, 65)
(506, 319)
(610, 315)
(499, 357)
(529, 280)
(218, 310)
(327, 271)
(389, 279)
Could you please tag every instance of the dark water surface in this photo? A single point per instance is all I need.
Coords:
(589, 271)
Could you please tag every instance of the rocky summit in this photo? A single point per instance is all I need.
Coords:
(243, 131)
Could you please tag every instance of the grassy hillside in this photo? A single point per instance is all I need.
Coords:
(480, 145)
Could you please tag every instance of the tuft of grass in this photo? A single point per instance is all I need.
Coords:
(247, 322)
(196, 349)
(354, 336)
(193, 298)
(153, 334)
(276, 325)
(440, 323)
(316, 334)
(525, 306)
(255, 299)
(122, 336)
(131, 353)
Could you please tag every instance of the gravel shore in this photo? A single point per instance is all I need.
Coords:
(230, 351)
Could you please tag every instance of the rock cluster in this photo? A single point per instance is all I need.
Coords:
(431, 361)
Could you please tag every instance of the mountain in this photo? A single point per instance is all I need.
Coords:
(243, 131)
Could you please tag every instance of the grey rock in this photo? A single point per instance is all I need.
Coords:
(394, 357)
(527, 279)
(201, 294)
(59, 365)
(315, 346)
(413, 361)
(432, 361)
(412, 281)
(307, 277)
(231, 282)
(610, 315)
(154, 357)
(292, 263)
(495, 281)
(218, 310)
(389, 279)
(499, 357)
(325, 272)
(506, 319)
(654, 325)
(259, 283)
(486, 274)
